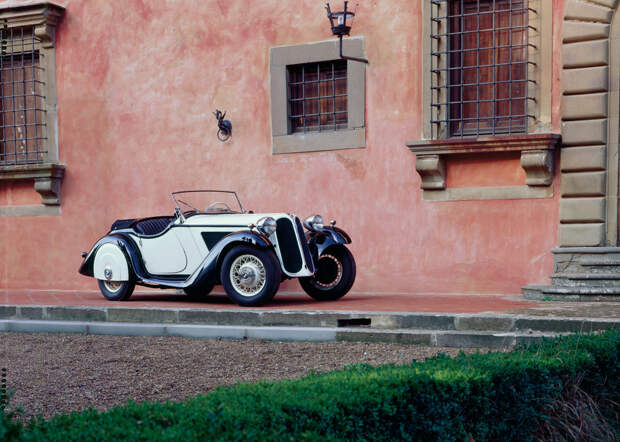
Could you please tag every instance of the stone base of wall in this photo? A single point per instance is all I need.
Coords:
(581, 274)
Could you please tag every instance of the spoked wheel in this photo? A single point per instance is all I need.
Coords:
(116, 290)
(334, 276)
(198, 292)
(250, 276)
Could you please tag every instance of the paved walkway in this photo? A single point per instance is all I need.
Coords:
(419, 303)
(426, 319)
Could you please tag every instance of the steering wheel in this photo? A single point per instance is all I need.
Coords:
(211, 207)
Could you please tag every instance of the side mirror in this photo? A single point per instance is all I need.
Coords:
(179, 215)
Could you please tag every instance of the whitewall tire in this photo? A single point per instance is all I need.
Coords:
(250, 276)
(116, 290)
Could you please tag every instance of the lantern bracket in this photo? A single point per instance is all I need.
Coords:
(341, 28)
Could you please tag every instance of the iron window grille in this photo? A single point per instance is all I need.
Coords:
(317, 96)
(22, 109)
(480, 67)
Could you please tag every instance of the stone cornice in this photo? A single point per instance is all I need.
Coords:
(536, 156)
(22, 171)
(44, 16)
(47, 179)
(515, 143)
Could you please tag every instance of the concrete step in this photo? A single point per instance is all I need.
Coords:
(597, 263)
(586, 280)
(433, 338)
(603, 262)
(611, 291)
(482, 322)
(566, 294)
(605, 276)
(590, 266)
(613, 268)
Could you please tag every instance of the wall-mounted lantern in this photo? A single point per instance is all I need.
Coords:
(340, 22)
(224, 127)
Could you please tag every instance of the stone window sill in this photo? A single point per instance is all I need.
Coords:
(317, 141)
(47, 179)
(536, 160)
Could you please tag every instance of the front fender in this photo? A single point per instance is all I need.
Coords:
(321, 239)
(209, 273)
(129, 249)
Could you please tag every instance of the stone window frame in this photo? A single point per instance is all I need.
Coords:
(44, 17)
(536, 147)
(283, 141)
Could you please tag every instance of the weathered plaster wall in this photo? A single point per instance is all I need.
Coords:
(464, 171)
(138, 81)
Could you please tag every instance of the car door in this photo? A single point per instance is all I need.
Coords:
(193, 253)
(163, 254)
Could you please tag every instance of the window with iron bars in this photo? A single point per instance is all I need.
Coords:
(317, 96)
(480, 68)
(22, 110)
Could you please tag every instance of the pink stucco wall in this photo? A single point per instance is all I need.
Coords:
(137, 83)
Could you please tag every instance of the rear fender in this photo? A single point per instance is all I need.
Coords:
(109, 251)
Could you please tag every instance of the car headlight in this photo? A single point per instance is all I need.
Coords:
(314, 222)
(266, 225)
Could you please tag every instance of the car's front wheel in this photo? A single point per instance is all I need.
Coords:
(116, 290)
(334, 276)
(250, 276)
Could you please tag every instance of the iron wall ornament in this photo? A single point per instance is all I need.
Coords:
(224, 127)
(340, 28)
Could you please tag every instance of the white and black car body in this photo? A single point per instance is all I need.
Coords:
(248, 253)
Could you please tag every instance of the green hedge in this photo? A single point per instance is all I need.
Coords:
(493, 396)
(9, 428)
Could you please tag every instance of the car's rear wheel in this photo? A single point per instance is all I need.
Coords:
(250, 276)
(116, 290)
(334, 276)
(198, 292)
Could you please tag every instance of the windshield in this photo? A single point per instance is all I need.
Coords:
(207, 201)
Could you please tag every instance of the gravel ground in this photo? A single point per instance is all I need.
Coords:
(56, 373)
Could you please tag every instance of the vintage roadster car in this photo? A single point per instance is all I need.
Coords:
(200, 246)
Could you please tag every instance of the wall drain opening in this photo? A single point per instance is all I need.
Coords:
(354, 322)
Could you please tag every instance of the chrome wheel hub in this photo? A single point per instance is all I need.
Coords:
(247, 275)
(329, 272)
(113, 286)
